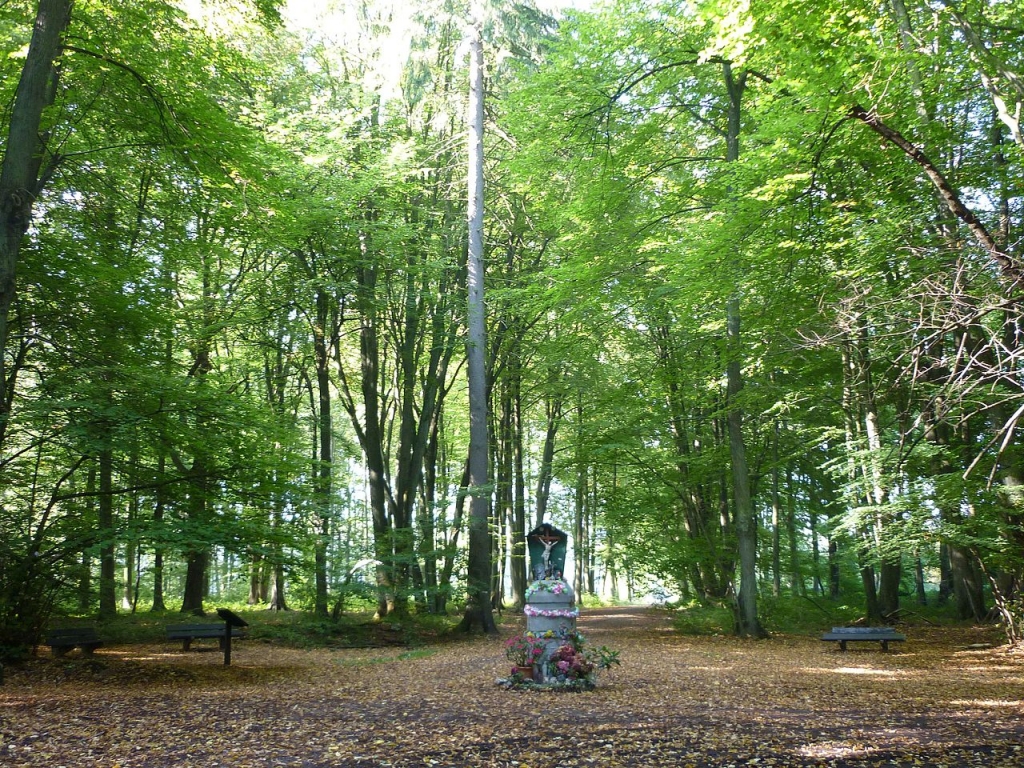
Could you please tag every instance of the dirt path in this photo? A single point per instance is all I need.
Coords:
(676, 701)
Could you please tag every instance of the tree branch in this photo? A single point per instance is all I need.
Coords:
(1008, 265)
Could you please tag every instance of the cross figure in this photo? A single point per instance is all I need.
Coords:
(549, 543)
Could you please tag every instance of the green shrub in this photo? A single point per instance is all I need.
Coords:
(704, 619)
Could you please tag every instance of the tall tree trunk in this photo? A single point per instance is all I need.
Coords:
(22, 176)
(257, 594)
(872, 611)
(816, 586)
(323, 471)
(589, 537)
(371, 434)
(85, 596)
(968, 584)
(517, 537)
(834, 582)
(945, 574)
(478, 603)
(84, 589)
(197, 555)
(195, 581)
(919, 582)
(776, 516)
(158, 551)
(890, 575)
(504, 485)
(427, 510)
(748, 623)
(108, 562)
(450, 548)
(863, 432)
(277, 601)
(579, 507)
(553, 412)
(132, 549)
(796, 579)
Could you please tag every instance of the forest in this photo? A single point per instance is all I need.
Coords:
(749, 270)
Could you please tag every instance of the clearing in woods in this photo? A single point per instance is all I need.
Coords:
(937, 700)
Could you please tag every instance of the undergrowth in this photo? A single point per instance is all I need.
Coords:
(296, 629)
(801, 615)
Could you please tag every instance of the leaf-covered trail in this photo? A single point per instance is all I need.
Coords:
(675, 701)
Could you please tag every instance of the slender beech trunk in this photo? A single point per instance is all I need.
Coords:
(108, 563)
(451, 544)
(945, 574)
(796, 579)
(478, 603)
(776, 516)
(429, 549)
(370, 432)
(322, 488)
(919, 582)
(580, 506)
(816, 585)
(747, 622)
(257, 594)
(553, 413)
(518, 522)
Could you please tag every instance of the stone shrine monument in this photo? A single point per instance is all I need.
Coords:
(550, 603)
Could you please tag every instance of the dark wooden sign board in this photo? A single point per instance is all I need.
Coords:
(231, 620)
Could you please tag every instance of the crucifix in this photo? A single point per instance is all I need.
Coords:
(549, 543)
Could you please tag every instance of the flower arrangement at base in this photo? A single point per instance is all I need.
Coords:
(524, 650)
(575, 664)
(569, 663)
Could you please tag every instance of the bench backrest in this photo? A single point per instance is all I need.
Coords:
(182, 631)
(863, 630)
(73, 633)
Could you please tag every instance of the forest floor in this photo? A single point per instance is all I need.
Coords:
(936, 700)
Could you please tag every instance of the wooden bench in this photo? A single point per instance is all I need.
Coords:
(63, 640)
(881, 635)
(189, 632)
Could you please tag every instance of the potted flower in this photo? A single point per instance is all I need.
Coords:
(524, 651)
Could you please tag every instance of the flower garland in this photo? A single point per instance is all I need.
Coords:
(554, 586)
(552, 613)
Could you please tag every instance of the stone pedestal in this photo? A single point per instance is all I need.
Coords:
(550, 607)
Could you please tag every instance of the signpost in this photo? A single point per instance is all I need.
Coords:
(231, 621)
